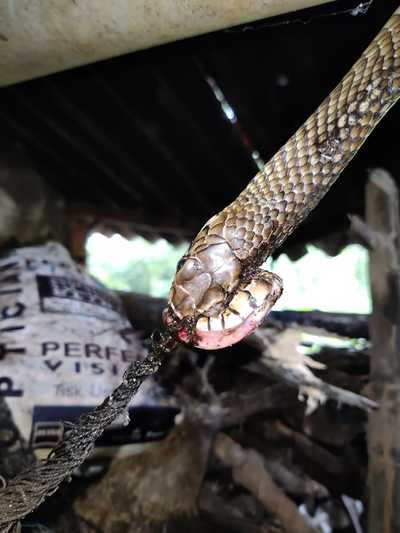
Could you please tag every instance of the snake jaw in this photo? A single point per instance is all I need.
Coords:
(216, 300)
(247, 309)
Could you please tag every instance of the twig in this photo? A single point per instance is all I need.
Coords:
(312, 450)
(283, 359)
(226, 514)
(331, 470)
(294, 481)
(248, 470)
(369, 237)
(207, 388)
(238, 407)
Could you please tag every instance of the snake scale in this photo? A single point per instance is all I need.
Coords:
(220, 294)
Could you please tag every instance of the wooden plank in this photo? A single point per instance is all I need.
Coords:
(384, 436)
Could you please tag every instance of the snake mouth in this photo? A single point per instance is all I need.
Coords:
(245, 313)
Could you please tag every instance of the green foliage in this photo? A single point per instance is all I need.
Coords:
(133, 265)
(319, 281)
(316, 281)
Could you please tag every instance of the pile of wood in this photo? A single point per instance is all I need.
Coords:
(271, 437)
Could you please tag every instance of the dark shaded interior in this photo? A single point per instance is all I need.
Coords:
(143, 137)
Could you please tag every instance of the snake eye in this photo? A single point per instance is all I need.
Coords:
(180, 264)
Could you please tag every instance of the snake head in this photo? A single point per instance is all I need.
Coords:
(212, 304)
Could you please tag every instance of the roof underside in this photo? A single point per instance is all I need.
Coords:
(167, 137)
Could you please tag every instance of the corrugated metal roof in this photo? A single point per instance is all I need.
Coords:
(166, 137)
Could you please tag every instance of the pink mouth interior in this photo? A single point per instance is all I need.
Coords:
(215, 340)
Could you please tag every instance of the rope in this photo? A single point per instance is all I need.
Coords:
(27, 490)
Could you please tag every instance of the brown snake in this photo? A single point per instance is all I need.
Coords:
(220, 294)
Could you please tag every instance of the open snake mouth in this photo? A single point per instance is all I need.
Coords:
(245, 312)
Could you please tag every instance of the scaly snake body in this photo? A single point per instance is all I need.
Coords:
(220, 293)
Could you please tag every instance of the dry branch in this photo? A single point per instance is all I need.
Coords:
(227, 515)
(293, 481)
(249, 471)
(344, 359)
(345, 324)
(369, 238)
(282, 358)
(326, 467)
(238, 407)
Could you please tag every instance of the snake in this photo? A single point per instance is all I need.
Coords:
(221, 292)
